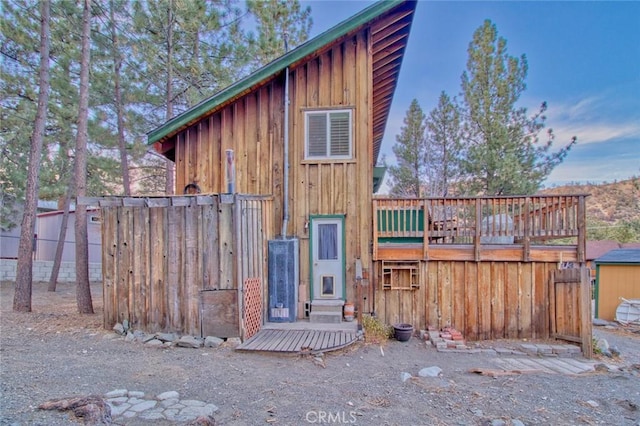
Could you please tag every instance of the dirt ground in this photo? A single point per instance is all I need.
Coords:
(54, 352)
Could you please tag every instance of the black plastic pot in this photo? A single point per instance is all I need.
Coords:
(403, 332)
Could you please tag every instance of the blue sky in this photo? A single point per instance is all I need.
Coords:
(584, 61)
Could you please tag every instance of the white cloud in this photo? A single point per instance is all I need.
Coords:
(596, 132)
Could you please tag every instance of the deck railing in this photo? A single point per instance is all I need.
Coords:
(481, 220)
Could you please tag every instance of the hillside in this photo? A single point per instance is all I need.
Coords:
(608, 202)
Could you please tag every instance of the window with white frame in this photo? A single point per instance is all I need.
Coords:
(328, 134)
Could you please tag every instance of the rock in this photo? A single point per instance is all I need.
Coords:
(143, 406)
(614, 351)
(430, 372)
(126, 325)
(119, 329)
(405, 376)
(118, 409)
(592, 403)
(154, 342)
(117, 401)
(116, 393)
(166, 337)
(516, 422)
(477, 413)
(498, 422)
(233, 341)
(212, 342)
(149, 337)
(189, 342)
(135, 394)
(138, 335)
(603, 346)
(600, 322)
(129, 337)
(168, 395)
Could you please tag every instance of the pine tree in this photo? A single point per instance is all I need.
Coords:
(503, 151)
(83, 289)
(443, 147)
(278, 22)
(409, 175)
(22, 295)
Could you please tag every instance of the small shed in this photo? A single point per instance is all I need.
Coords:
(617, 275)
(48, 232)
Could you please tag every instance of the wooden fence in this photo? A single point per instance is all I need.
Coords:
(178, 264)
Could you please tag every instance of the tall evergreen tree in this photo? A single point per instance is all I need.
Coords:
(278, 22)
(19, 38)
(408, 176)
(443, 147)
(22, 295)
(83, 289)
(503, 150)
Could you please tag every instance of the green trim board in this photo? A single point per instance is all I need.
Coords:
(344, 252)
(274, 67)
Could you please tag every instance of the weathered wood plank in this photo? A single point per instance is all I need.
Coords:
(497, 300)
(158, 263)
(226, 246)
(220, 313)
(109, 266)
(512, 300)
(124, 260)
(471, 328)
(484, 302)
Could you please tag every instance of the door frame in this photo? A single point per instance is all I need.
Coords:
(344, 252)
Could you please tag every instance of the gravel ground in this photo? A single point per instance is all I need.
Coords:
(54, 353)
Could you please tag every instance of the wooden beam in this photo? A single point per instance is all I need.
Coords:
(585, 313)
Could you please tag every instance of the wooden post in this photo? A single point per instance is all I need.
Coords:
(582, 229)
(425, 227)
(527, 238)
(552, 303)
(375, 229)
(476, 238)
(585, 312)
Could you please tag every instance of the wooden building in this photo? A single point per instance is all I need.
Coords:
(617, 276)
(320, 168)
(306, 131)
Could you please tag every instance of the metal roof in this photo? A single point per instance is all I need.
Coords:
(620, 256)
(389, 34)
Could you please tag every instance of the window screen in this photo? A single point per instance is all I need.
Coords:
(328, 134)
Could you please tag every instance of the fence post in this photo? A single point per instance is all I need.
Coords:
(526, 215)
(585, 313)
(476, 238)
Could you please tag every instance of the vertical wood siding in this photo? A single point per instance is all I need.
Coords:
(160, 255)
(252, 126)
(484, 300)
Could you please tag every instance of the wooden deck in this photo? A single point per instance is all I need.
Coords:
(294, 341)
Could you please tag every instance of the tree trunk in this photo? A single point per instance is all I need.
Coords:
(24, 274)
(170, 166)
(117, 65)
(57, 260)
(83, 289)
